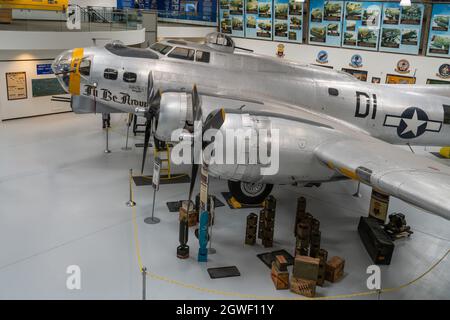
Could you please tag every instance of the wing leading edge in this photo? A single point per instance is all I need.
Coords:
(417, 180)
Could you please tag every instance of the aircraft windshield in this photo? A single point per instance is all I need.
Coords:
(161, 48)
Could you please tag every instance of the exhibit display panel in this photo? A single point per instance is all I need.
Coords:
(439, 34)
(401, 28)
(259, 19)
(288, 21)
(325, 22)
(232, 17)
(362, 25)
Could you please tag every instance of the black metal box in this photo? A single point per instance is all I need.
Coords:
(377, 242)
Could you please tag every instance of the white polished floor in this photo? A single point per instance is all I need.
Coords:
(62, 202)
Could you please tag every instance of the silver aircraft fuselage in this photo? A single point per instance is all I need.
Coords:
(251, 82)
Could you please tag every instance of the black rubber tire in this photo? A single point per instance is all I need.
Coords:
(236, 191)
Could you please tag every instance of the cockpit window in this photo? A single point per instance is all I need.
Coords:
(182, 53)
(129, 77)
(161, 48)
(110, 74)
(202, 56)
(85, 67)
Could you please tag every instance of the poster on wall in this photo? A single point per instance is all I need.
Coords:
(16, 85)
(232, 17)
(46, 87)
(439, 34)
(325, 20)
(362, 25)
(401, 28)
(396, 79)
(288, 20)
(361, 75)
(258, 19)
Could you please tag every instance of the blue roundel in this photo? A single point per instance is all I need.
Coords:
(322, 56)
(356, 60)
(413, 124)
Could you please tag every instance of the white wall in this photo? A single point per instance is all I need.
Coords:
(95, 3)
(30, 106)
(378, 64)
(32, 40)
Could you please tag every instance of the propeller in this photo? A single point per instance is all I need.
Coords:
(153, 99)
(213, 121)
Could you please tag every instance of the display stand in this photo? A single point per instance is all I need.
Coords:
(155, 184)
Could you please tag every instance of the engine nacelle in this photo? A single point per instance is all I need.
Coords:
(271, 149)
(175, 109)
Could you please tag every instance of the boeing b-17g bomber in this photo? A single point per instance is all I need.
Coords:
(330, 126)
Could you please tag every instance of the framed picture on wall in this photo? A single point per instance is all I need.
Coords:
(358, 74)
(396, 79)
(16, 85)
(376, 80)
(437, 81)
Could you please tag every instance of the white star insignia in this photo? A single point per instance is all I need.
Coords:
(413, 124)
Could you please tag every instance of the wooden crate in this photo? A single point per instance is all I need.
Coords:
(303, 287)
(334, 269)
(306, 268)
(280, 278)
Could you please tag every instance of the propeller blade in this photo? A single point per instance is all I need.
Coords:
(214, 120)
(148, 127)
(197, 110)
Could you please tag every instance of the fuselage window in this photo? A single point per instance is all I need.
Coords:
(202, 56)
(182, 53)
(161, 48)
(446, 114)
(129, 77)
(110, 74)
(85, 67)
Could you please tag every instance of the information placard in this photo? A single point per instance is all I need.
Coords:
(16, 85)
(325, 20)
(401, 28)
(258, 19)
(288, 21)
(362, 25)
(439, 35)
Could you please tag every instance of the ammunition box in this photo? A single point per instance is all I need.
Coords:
(334, 269)
(303, 230)
(270, 203)
(281, 263)
(306, 268)
(280, 278)
(261, 224)
(377, 242)
(267, 243)
(303, 287)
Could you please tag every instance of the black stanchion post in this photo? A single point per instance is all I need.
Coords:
(144, 283)
(131, 203)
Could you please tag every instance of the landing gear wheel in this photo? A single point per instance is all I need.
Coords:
(248, 192)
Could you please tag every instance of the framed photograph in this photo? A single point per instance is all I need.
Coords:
(16, 85)
(376, 80)
(396, 79)
(437, 81)
(358, 74)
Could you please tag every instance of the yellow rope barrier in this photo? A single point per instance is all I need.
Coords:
(259, 297)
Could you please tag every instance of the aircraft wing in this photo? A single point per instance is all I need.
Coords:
(412, 178)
